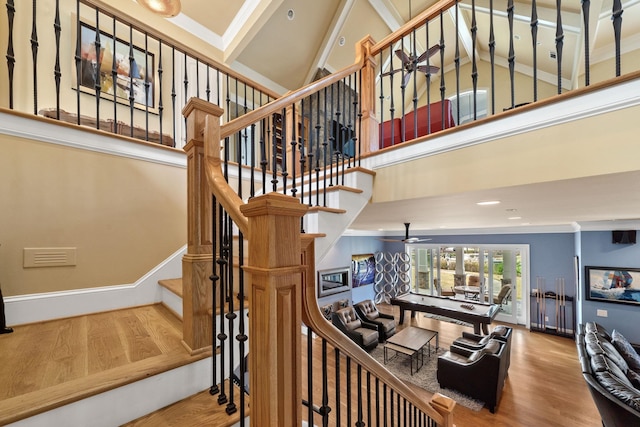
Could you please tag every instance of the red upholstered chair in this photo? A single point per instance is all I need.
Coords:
(421, 116)
(386, 129)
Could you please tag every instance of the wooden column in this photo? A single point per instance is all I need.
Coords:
(370, 134)
(197, 263)
(275, 299)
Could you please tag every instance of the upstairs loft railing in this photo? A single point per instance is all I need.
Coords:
(84, 62)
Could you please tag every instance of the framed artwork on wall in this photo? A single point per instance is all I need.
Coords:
(124, 70)
(363, 270)
(612, 284)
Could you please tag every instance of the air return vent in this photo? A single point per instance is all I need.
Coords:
(49, 257)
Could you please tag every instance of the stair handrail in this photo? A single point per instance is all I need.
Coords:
(441, 412)
(236, 125)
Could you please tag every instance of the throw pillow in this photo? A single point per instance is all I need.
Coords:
(626, 350)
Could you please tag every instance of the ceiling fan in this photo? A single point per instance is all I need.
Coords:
(411, 63)
(406, 239)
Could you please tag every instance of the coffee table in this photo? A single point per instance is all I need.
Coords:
(411, 341)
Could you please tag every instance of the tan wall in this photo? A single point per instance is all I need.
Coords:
(124, 216)
(577, 149)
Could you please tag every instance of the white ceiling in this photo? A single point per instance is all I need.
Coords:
(284, 54)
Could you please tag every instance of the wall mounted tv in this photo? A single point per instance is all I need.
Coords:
(623, 236)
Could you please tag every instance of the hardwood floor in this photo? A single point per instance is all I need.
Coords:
(47, 363)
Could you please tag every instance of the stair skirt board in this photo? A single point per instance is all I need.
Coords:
(129, 402)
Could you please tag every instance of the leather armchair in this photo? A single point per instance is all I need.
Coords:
(364, 334)
(368, 312)
(477, 342)
(479, 374)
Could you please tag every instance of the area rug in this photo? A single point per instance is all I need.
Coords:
(426, 377)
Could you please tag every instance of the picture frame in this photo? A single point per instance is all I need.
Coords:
(137, 75)
(363, 270)
(612, 284)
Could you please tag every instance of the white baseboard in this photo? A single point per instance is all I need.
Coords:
(23, 309)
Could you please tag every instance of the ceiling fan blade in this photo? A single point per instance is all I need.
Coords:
(431, 69)
(406, 79)
(390, 240)
(429, 52)
(390, 73)
(403, 56)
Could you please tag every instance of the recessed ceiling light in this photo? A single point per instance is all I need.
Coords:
(342, 41)
(526, 223)
(291, 14)
(514, 217)
(488, 202)
(511, 210)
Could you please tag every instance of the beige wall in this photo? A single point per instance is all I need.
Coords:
(601, 144)
(124, 216)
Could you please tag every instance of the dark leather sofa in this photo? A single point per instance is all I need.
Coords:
(610, 375)
(479, 374)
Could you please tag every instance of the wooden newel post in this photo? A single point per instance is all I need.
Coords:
(197, 263)
(275, 300)
(370, 134)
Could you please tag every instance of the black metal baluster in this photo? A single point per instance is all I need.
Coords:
(231, 315)
(492, 55)
(456, 61)
(391, 407)
(369, 398)
(357, 140)
(332, 138)
(147, 85)
(392, 108)
(222, 262)
(381, 127)
(428, 77)
(415, 86)
(325, 409)
(534, 41)
(11, 59)
(56, 71)
(350, 132)
(283, 147)
(559, 43)
(443, 87)
(359, 421)
(160, 104)
(343, 128)
(403, 85)
(384, 404)
(131, 68)
(586, 7)
(215, 281)
(327, 131)
(208, 89)
(303, 159)
(186, 91)
(317, 149)
(310, 377)
(512, 56)
(173, 91)
(474, 66)
(263, 151)
(34, 54)
(242, 336)
(114, 81)
(252, 190)
(293, 144)
(274, 151)
(378, 401)
(398, 406)
(616, 17)
(97, 84)
(198, 78)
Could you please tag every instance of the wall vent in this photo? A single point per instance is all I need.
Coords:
(49, 257)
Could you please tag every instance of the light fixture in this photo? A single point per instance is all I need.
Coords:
(291, 14)
(489, 202)
(166, 8)
(514, 217)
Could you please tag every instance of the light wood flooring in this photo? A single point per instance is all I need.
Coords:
(47, 363)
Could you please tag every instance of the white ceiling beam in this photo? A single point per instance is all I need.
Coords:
(249, 20)
(388, 13)
(330, 39)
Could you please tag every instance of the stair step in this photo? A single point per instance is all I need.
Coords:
(326, 209)
(201, 409)
(174, 285)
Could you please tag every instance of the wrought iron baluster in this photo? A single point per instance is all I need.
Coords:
(398, 403)
(317, 149)
(215, 282)
(616, 17)
(474, 66)
(325, 409)
(283, 148)
(132, 64)
(512, 56)
(428, 77)
(56, 70)
(263, 151)
(274, 150)
(173, 90)
(147, 86)
(231, 315)
(403, 86)
(338, 399)
(186, 90)
(327, 131)
(391, 98)
(415, 85)
(443, 87)
(252, 190)
(11, 59)
(34, 54)
(222, 262)
(359, 421)
(377, 397)
(97, 84)
(456, 61)
(160, 104)
(332, 139)
(559, 42)
(303, 159)
(369, 398)
(586, 7)
(381, 127)
(293, 143)
(242, 336)
(384, 404)
(534, 41)
(349, 392)
(197, 78)
(492, 55)
(114, 79)
(310, 377)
